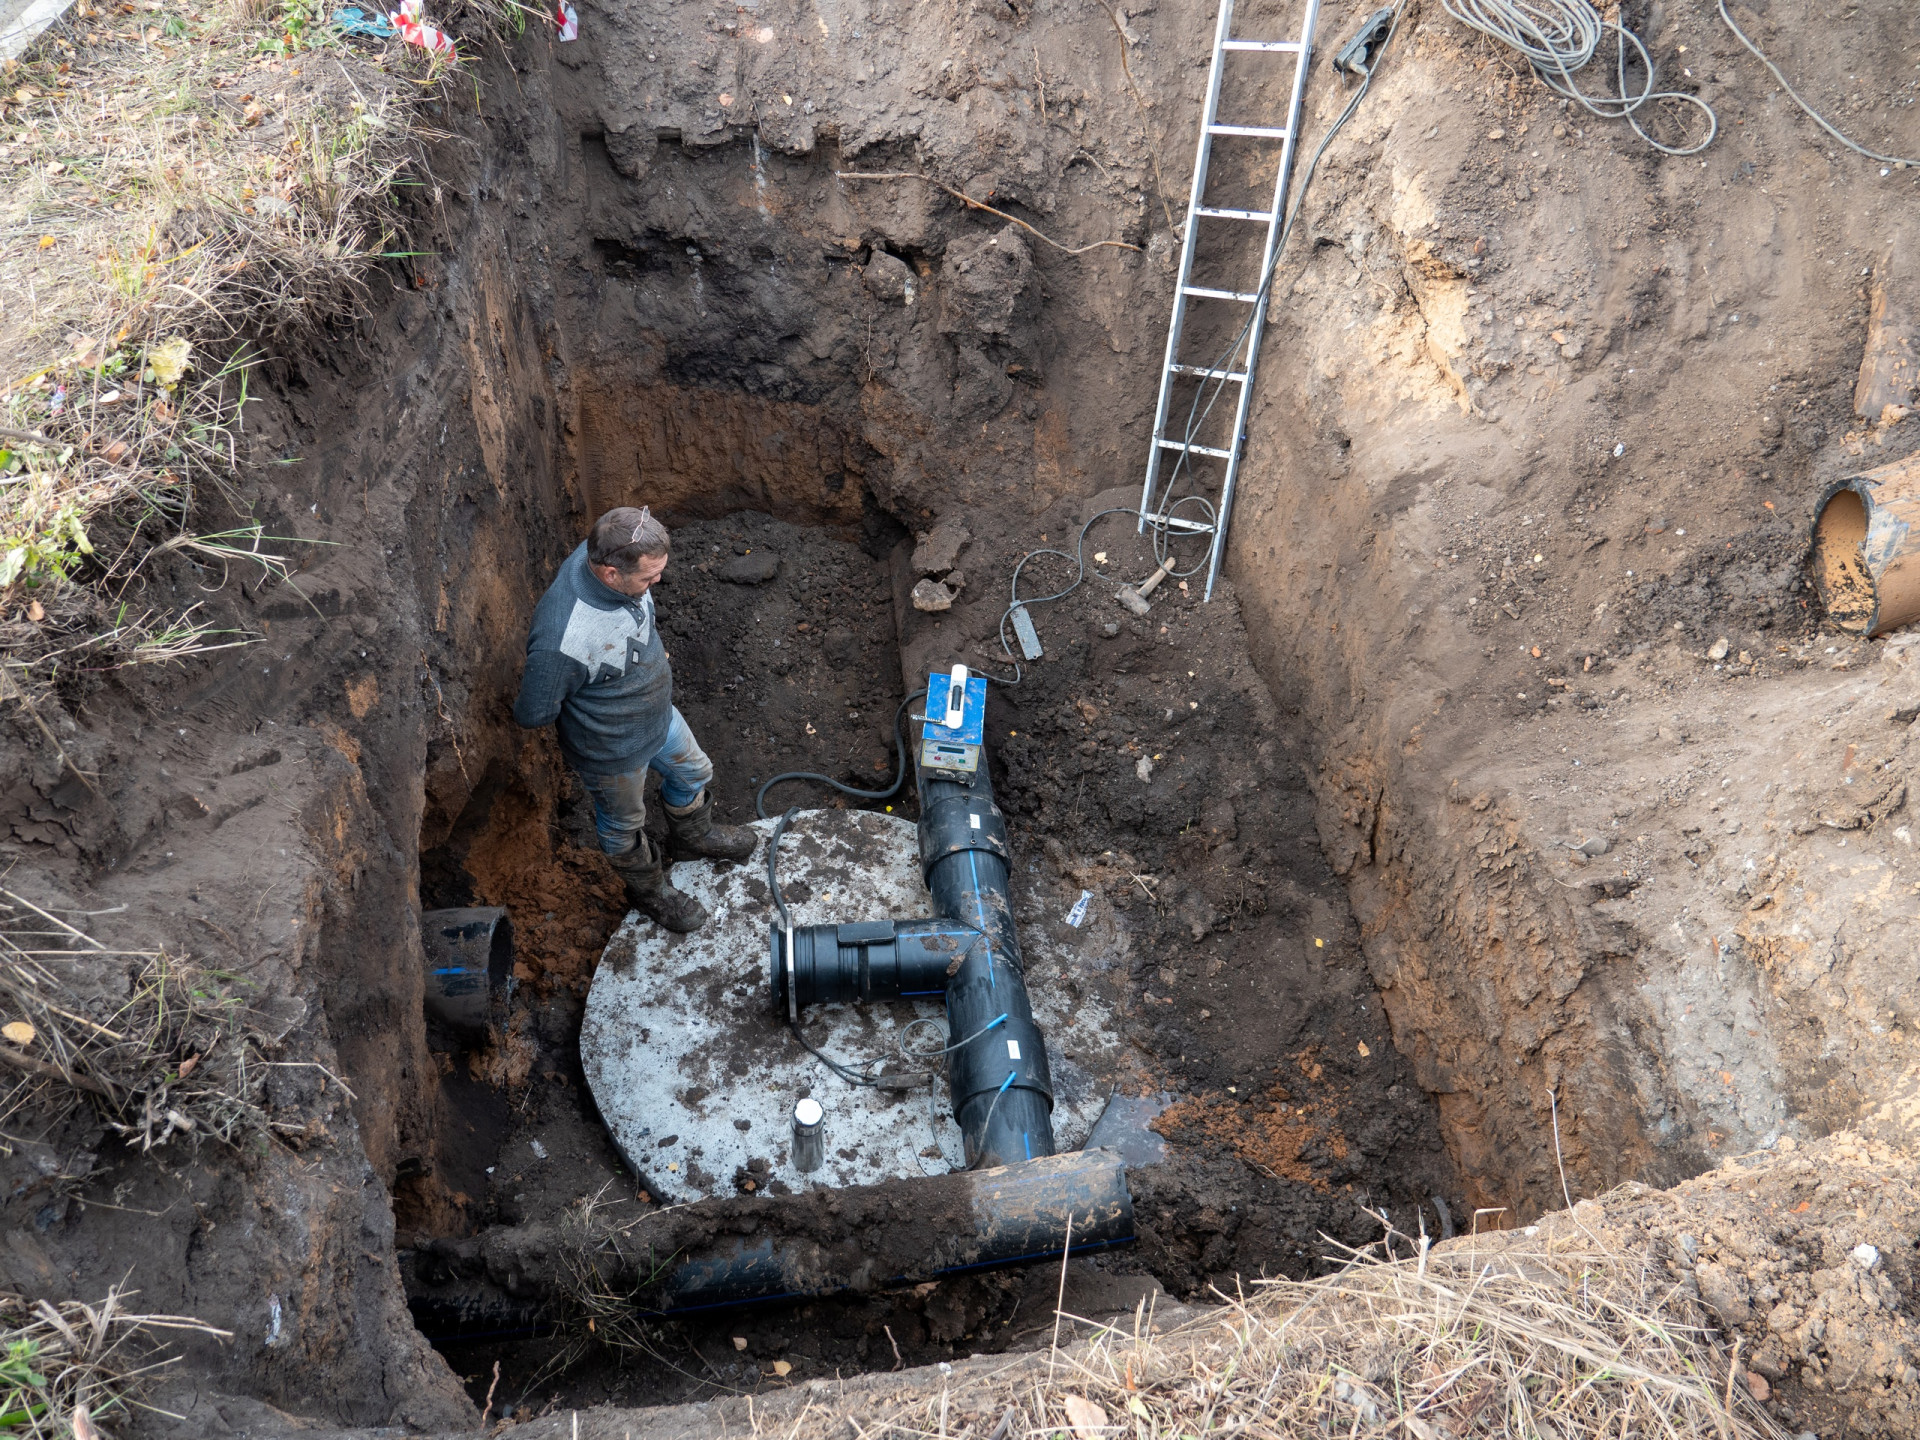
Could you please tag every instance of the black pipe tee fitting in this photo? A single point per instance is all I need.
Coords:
(997, 1075)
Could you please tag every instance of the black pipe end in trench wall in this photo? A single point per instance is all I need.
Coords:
(469, 965)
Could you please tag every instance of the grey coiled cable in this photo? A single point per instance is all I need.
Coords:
(1558, 37)
(1817, 117)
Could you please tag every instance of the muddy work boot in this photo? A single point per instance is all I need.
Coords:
(651, 893)
(692, 835)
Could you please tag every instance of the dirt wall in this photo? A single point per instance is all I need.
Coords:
(1528, 553)
(262, 813)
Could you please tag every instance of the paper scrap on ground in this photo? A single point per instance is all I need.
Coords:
(351, 20)
(1077, 916)
(568, 19)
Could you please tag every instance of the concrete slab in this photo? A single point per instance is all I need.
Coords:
(696, 1076)
(23, 21)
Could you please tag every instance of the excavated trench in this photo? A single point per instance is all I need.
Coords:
(801, 399)
(814, 380)
(1258, 995)
(1426, 861)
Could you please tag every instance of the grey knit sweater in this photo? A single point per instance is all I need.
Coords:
(597, 672)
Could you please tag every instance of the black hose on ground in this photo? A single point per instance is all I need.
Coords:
(899, 770)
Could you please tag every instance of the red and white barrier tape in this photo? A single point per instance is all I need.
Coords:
(411, 22)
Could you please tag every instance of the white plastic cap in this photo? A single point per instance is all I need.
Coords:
(957, 697)
(808, 1112)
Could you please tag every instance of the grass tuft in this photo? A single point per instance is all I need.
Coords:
(63, 1367)
(182, 186)
(1495, 1337)
(160, 1046)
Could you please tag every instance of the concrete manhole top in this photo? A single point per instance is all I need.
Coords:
(696, 1075)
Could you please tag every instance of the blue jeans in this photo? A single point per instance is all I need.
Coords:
(619, 801)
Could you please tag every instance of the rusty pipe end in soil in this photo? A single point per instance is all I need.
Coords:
(1865, 564)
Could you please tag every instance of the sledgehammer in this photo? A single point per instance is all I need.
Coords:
(1135, 597)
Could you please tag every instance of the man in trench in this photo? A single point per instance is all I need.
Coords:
(597, 672)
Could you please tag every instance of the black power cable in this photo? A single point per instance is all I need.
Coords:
(1079, 558)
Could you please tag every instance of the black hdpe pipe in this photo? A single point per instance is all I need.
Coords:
(515, 1281)
(869, 960)
(997, 1078)
(1001, 1092)
(469, 960)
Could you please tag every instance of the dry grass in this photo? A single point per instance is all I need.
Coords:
(64, 1366)
(161, 1047)
(172, 179)
(596, 1308)
(1537, 1338)
(1532, 1340)
(182, 185)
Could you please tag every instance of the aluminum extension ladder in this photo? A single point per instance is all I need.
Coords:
(1181, 442)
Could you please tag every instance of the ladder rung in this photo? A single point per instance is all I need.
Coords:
(1199, 527)
(1195, 449)
(1270, 132)
(1246, 296)
(1218, 214)
(1278, 47)
(1239, 375)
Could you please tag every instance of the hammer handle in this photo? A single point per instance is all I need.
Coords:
(1147, 585)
